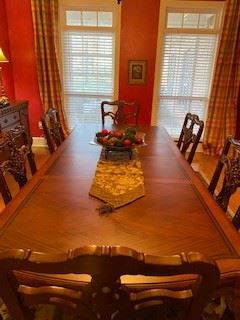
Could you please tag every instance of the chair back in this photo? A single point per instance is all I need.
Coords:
(14, 153)
(5, 166)
(121, 112)
(20, 142)
(230, 161)
(236, 219)
(190, 135)
(52, 129)
(105, 296)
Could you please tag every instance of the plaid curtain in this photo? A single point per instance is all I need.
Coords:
(238, 119)
(45, 23)
(223, 104)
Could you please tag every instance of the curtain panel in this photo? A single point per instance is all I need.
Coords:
(45, 23)
(238, 119)
(223, 105)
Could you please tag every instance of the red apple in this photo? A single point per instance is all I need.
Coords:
(139, 141)
(118, 134)
(104, 132)
(104, 140)
(127, 143)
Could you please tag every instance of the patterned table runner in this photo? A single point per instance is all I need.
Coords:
(118, 180)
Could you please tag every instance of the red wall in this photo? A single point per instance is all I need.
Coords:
(4, 44)
(21, 40)
(139, 42)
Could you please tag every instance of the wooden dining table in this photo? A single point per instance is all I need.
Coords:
(54, 211)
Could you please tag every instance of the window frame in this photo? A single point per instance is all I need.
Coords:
(167, 6)
(92, 5)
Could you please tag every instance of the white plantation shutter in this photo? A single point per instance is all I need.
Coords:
(187, 44)
(89, 50)
(88, 69)
(185, 78)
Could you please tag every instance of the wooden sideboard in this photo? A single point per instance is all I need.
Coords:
(13, 115)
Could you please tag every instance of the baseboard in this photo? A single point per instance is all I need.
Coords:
(39, 142)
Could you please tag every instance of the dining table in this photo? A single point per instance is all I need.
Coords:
(54, 211)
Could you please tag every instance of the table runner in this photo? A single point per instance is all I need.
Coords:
(118, 180)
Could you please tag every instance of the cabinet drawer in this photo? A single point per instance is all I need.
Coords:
(9, 120)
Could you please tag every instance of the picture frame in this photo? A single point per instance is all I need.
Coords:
(137, 71)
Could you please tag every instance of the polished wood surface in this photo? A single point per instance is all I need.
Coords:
(55, 212)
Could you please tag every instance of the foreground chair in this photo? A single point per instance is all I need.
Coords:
(230, 160)
(236, 219)
(190, 135)
(52, 129)
(121, 112)
(14, 153)
(105, 297)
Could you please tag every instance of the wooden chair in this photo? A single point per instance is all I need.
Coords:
(5, 166)
(190, 135)
(121, 112)
(14, 153)
(231, 181)
(23, 283)
(52, 129)
(236, 219)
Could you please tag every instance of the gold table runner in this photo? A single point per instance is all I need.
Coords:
(118, 181)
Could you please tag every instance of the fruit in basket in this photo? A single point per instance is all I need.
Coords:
(130, 136)
(131, 130)
(102, 133)
(118, 138)
(102, 140)
(118, 143)
(139, 140)
(127, 143)
(118, 134)
(111, 141)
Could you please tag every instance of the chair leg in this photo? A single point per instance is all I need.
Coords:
(228, 314)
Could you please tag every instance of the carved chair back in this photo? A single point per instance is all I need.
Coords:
(190, 135)
(5, 166)
(14, 153)
(236, 219)
(52, 129)
(23, 283)
(230, 161)
(121, 112)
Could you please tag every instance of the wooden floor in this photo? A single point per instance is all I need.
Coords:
(205, 165)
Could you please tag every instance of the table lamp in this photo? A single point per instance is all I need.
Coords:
(3, 97)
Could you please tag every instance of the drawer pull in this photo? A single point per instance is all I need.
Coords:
(5, 120)
(14, 117)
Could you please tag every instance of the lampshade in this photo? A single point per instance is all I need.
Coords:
(3, 97)
(2, 56)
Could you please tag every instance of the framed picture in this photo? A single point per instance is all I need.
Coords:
(137, 71)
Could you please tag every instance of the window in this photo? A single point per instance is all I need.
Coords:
(185, 63)
(89, 45)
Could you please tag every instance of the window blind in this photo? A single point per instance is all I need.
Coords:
(88, 73)
(185, 78)
(188, 36)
